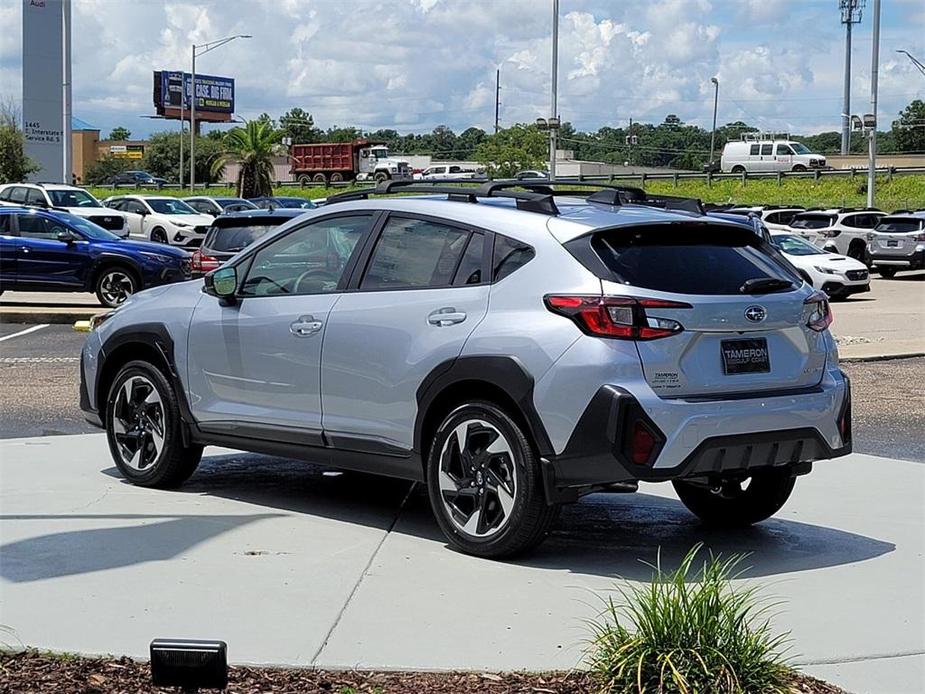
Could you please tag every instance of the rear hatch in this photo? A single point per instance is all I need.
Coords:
(899, 235)
(815, 227)
(741, 317)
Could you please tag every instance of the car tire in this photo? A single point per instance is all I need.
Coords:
(887, 272)
(730, 506)
(858, 252)
(799, 168)
(487, 503)
(114, 284)
(158, 235)
(738, 169)
(381, 176)
(143, 428)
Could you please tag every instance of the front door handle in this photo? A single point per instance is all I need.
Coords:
(304, 326)
(446, 316)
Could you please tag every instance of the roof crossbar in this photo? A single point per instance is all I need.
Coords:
(607, 193)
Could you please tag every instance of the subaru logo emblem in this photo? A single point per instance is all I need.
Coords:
(756, 314)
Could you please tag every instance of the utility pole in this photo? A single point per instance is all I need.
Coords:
(713, 132)
(192, 126)
(68, 158)
(497, 97)
(182, 129)
(554, 108)
(872, 135)
(850, 14)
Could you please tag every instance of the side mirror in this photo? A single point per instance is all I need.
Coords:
(67, 237)
(222, 283)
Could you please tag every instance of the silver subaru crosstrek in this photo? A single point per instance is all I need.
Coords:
(511, 345)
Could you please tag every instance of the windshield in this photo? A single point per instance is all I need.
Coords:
(236, 238)
(166, 206)
(812, 221)
(794, 245)
(88, 228)
(72, 198)
(800, 148)
(296, 203)
(899, 225)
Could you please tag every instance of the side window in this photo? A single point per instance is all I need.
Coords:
(870, 220)
(854, 221)
(455, 169)
(32, 226)
(766, 150)
(5, 194)
(309, 260)
(6, 224)
(784, 149)
(773, 218)
(133, 206)
(753, 150)
(18, 194)
(509, 255)
(470, 267)
(35, 197)
(414, 253)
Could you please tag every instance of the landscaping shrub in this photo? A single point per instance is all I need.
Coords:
(689, 631)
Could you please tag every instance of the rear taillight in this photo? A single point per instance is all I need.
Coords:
(817, 312)
(200, 262)
(831, 233)
(619, 317)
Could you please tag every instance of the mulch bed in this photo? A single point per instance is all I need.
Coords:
(30, 672)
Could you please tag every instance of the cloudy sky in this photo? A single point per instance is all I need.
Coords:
(415, 64)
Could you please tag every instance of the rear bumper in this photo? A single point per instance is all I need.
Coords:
(911, 261)
(700, 439)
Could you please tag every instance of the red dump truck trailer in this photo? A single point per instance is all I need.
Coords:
(333, 162)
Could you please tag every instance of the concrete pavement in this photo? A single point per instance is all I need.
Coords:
(294, 565)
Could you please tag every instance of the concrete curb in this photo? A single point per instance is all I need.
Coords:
(65, 317)
(880, 357)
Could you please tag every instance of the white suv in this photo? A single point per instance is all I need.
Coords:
(162, 219)
(69, 199)
(775, 218)
(845, 230)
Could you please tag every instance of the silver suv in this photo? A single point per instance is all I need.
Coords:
(898, 243)
(513, 350)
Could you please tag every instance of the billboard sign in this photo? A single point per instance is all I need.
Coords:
(42, 87)
(213, 94)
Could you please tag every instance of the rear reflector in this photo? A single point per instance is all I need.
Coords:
(618, 317)
(642, 444)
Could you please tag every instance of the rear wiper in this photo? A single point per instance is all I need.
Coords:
(764, 284)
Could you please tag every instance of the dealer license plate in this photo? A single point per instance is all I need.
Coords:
(745, 356)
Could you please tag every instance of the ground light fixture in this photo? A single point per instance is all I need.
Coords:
(190, 665)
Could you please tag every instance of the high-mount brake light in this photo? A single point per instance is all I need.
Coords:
(817, 312)
(620, 317)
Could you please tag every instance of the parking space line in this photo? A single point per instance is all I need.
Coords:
(24, 332)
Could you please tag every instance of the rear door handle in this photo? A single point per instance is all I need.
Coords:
(446, 316)
(304, 326)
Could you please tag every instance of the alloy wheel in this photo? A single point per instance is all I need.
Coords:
(115, 287)
(138, 423)
(478, 478)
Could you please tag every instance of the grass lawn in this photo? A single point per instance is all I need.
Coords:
(902, 192)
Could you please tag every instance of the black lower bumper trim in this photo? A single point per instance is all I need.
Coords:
(595, 454)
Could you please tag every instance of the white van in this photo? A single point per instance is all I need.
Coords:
(757, 156)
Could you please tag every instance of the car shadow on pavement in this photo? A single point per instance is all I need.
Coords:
(139, 538)
(603, 534)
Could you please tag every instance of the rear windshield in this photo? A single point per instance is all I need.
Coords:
(231, 239)
(812, 221)
(899, 225)
(687, 261)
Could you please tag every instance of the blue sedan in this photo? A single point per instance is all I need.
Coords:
(49, 251)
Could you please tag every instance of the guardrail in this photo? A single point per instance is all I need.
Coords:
(642, 177)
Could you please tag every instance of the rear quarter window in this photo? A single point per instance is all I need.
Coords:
(707, 260)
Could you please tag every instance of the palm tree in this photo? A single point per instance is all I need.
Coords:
(253, 147)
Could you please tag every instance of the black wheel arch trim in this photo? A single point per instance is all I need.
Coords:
(504, 372)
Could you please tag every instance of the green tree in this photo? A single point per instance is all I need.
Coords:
(338, 134)
(444, 143)
(253, 147)
(300, 126)
(909, 131)
(102, 170)
(120, 133)
(162, 157)
(467, 142)
(513, 149)
(15, 166)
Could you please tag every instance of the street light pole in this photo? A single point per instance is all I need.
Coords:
(872, 135)
(715, 103)
(201, 48)
(554, 109)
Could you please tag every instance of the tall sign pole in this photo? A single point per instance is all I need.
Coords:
(872, 135)
(554, 108)
(850, 14)
(192, 125)
(68, 169)
(44, 84)
(497, 97)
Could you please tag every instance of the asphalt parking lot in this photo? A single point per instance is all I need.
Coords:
(40, 374)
